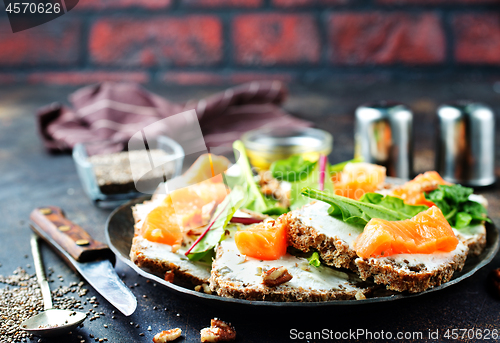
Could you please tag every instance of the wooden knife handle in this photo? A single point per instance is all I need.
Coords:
(65, 236)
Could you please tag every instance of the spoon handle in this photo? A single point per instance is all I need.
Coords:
(40, 273)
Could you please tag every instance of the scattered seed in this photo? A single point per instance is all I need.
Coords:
(141, 334)
(25, 300)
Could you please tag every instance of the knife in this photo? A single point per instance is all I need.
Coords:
(92, 259)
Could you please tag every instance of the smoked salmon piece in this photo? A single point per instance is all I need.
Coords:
(186, 210)
(265, 241)
(161, 226)
(356, 179)
(413, 192)
(426, 233)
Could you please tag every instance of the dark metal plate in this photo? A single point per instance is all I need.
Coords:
(120, 232)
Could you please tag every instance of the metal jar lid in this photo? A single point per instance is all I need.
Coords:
(466, 143)
(383, 135)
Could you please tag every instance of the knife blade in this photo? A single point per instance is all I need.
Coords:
(92, 259)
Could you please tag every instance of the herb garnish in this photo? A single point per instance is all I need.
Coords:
(371, 205)
(453, 200)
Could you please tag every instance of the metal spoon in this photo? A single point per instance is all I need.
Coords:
(50, 322)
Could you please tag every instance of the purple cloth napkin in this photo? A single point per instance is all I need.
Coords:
(113, 112)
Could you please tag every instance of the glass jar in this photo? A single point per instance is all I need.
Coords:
(264, 146)
(111, 178)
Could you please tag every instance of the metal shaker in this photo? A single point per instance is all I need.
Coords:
(383, 135)
(466, 143)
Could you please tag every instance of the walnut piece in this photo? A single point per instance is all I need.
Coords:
(219, 331)
(167, 336)
(203, 287)
(169, 276)
(360, 295)
(272, 187)
(276, 276)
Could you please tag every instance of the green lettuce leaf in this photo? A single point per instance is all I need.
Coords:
(314, 259)
(298, 200)
(453, 201)
(224, 212)
(255, 200)
(359, 213)
(292, 169)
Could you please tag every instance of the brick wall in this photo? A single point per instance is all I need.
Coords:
(233, 41)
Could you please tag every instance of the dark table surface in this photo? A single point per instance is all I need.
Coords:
(29, 177)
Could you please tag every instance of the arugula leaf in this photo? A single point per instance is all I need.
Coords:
(314, 259)
(356, 212)
(462, 220)
(224, 212)
(255, 200)
(312, 181)
(453, 200)
(393, 203)
(475, 210)
(292, 169)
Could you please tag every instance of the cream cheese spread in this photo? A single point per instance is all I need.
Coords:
(316, 216)
(431, 262)
(237, 267)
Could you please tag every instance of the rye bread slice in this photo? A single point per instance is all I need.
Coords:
(311, 228)
(413, 272)
(238, 276)
(158, 258)
(474, 237)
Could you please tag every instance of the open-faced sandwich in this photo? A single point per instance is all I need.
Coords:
(307, 231)
(167, 225)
